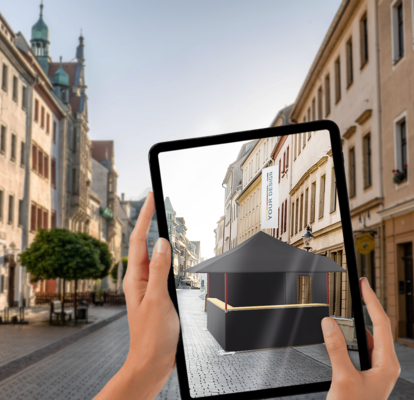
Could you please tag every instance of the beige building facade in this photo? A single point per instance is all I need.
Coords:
(396, 38)
(343, 85)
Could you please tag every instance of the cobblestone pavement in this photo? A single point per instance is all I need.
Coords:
(17, 341)
(80, 371)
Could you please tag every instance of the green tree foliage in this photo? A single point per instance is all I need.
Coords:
(125, 266)
(114, 270)
(60, 253)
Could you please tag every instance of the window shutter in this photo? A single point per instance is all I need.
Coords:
(45, 219)
(34, 157)
(40, 161)
(33, 218)
(285, 215)
(333, 191)
(281, 222)
(53, 172)
(46, 166)
(280, 168)
(39, 218)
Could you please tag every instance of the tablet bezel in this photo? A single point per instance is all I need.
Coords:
(342, 191)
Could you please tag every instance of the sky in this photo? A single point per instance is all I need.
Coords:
(167, 70)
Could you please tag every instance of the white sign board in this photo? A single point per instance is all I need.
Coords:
(270, 196)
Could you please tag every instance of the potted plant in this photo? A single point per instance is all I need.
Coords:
(400, 176)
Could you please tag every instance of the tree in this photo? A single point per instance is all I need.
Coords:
(59, 253)
(114, 270)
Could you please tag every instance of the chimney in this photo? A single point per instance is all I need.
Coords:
(123, 196)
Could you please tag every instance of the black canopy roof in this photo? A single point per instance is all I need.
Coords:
(264, 253)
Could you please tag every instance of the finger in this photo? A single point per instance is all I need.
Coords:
(138, 251)
(159, 269)
(382, 328)
(336, 346)
(370, 340)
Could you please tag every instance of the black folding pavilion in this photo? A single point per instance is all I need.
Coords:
(259, 279)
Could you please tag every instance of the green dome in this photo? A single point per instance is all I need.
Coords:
(60, 77)
(40, 31)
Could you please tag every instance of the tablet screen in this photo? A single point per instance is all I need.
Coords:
(259, 260)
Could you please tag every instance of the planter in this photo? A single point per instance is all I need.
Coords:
(399, 176)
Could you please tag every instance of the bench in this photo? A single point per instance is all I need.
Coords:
(56, 310)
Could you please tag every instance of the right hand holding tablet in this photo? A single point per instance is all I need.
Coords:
(376, 383)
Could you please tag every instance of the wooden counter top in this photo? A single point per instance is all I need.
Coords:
(221, 304)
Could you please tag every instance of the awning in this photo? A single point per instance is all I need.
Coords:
(263, 253)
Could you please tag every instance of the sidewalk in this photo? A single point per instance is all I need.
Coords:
(22, 344)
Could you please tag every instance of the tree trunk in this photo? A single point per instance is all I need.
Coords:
(62, 315)
(75, 306)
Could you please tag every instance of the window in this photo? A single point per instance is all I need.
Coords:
(313, 109)
(299, 142)
(401, 147)
(53, 223)
(313, 199)
(22, 154)
(24, 97)
(53, 172)
(352, 173)
(280, 168)
(40, 161)
(13, 147)
(297, 216)
(33, 217)
(265, 152)
(42, 117)
(3, 140)
(398, 31)
(367, 161)
(292, 219)
(333, 191)
(34, 157)
(39, 218)
(36, 111)
(295, 147)
(363, 29)
(304, 139)
(15, 88)
(4, 77)
(284, 161)
(327, 95)
(337, 80)
(320, 111)
(305, 220)
(309, 114)
(278, 221)
(285, 216)
(301, 212)
(74, 188)
(322, 197)
(45, 219)
(304, 289)
(150, 242)
(282, 220)
(287, 157)
(20, 212)
(11, 210)
(54, 132)
(47, 123)
(1, 204)
(349, 64)
(46, 166)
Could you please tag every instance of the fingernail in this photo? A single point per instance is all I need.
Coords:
(366, 280)
(161, 246)
(327, 325)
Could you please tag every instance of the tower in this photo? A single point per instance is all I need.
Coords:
(40, 41)
(60, 82)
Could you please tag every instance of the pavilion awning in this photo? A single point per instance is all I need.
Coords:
(263, 253)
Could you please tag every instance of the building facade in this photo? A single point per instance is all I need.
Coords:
(343, 85)
(396, 38)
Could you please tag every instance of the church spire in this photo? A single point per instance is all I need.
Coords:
(40, 41)
(80, 53)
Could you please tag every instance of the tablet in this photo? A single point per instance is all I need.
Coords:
(262, 250)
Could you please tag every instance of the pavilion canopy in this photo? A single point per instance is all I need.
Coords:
(263, 253)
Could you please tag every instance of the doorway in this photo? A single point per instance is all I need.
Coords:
(405, 291)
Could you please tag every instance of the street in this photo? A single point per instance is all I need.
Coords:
(80, 370)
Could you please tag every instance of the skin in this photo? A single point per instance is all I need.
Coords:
(154, 329)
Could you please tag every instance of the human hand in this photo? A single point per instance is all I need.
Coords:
(375, 383)
(153, 321)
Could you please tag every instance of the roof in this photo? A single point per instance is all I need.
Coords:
(69, 67)
(40, 31)
(263, 253)
(102, 149)
(284, 113)
(60, 77)
(168, 205)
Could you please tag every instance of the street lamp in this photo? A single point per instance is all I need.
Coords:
(308, 239)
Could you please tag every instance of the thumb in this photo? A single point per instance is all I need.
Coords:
(336, 346)
(159, 268)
